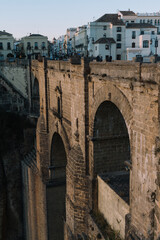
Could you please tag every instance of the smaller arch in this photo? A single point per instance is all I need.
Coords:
(57, 191)
(36, 98)
(58, 157)
(111, 135)
(111, 93)
(58, 128)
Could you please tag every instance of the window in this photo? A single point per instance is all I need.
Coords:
(36, 45)
(118, 45)
(119, 29)
(133, 45)
(104, 27)
(140, 20)
(148, 21)
(153, 32)
(142, 32)
(132, 21)
(145, 44)
(151, 21)
(43, 45)
(144, 21)
(58, 105)
(1, 45)
(96, 48)
(104, 35)
(107, 46)
(118, 57)
(118, 37)
(28, 45)
(133, 34)
(9, 46)
(155, 22)
(158, 22)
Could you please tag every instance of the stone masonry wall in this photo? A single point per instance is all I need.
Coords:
(17, 75)
(69, 99)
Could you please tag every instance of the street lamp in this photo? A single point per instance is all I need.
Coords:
(156, 45)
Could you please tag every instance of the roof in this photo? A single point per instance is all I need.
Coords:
(36, 35)
(113, 18)
(128, 13)
(139, 25)
(105, 40)
(4, 33)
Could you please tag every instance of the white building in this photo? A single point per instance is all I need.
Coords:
(35, 45)
(68, 41)
(59, 47)
(127, 16)
(141, 39)
(152, 18)
(6, 45)
(79, 41)
(105, 48)
(131, 17)
(107, 26)
(94, 39)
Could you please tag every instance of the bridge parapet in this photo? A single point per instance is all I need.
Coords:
(126, 70)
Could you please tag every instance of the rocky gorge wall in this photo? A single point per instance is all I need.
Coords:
(13, 147)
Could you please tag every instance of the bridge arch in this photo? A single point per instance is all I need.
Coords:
(110, 134)
(58, 128)
(111, 137)
(58, 157)
(109, 92)
(56, 192)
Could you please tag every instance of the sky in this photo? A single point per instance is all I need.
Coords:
(52, 17)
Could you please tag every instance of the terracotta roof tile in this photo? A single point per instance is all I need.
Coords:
(113, 18)
(139, 25)
(105, 40)
(128, 13)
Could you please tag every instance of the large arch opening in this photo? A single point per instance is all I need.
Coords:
(36, 98)
(111, 151)
(56, 189)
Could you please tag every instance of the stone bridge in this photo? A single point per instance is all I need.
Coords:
(98, 150)
(14, 86)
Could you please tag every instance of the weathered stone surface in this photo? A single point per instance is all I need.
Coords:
(70, 97)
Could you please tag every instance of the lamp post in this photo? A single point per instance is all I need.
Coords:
(156, 46)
